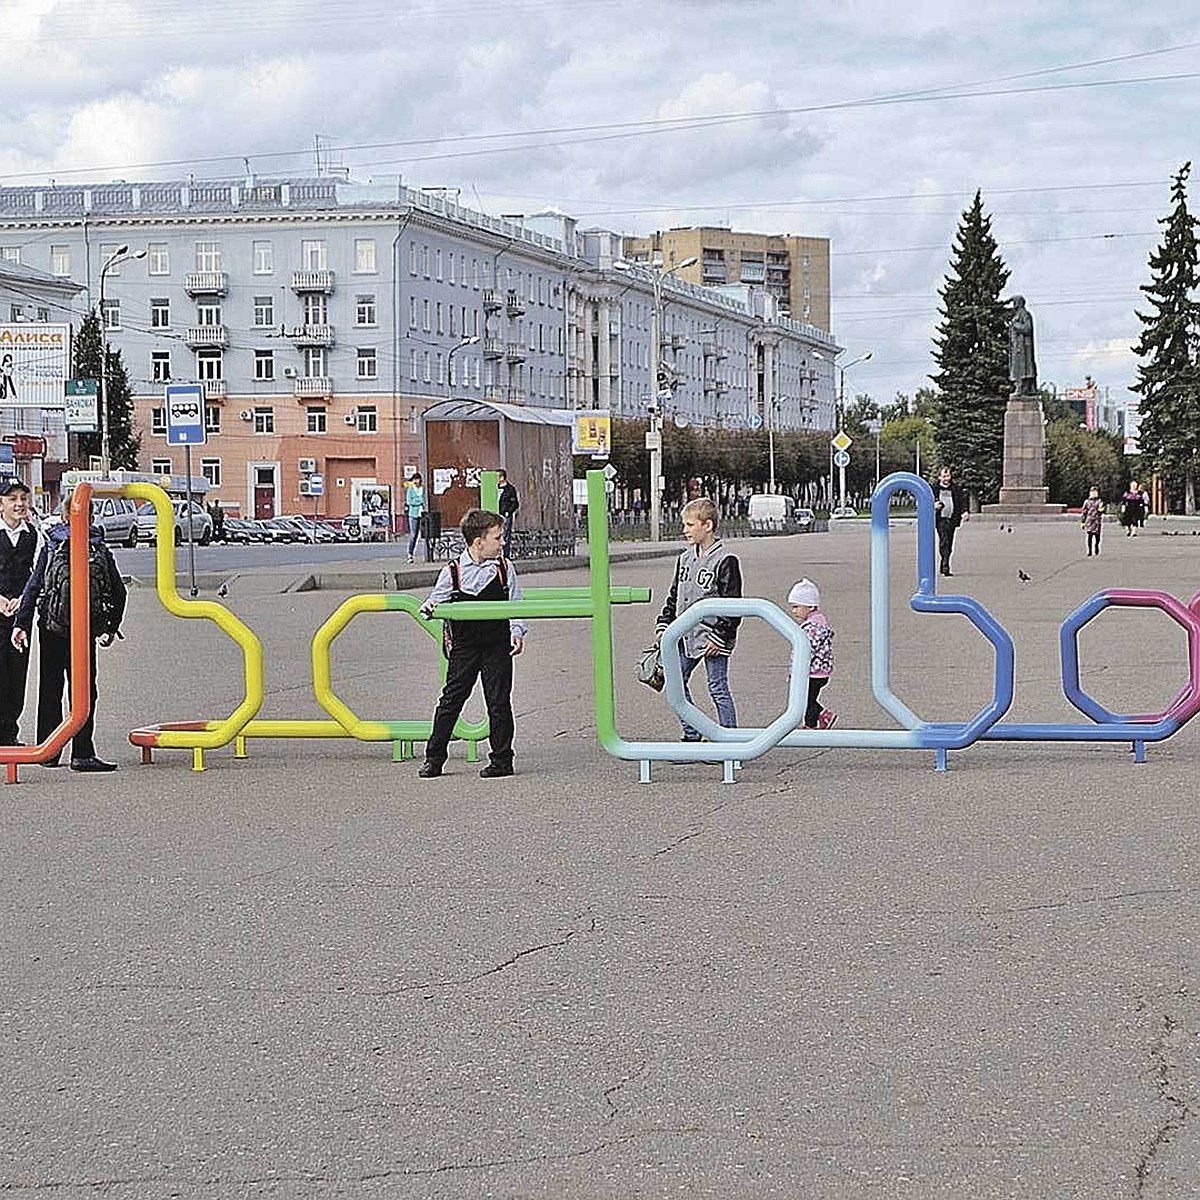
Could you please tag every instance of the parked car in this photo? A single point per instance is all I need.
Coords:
(201, 523)
(117, 520)
(305, 528)
(241, 531)
(272, 529)
(771, 513)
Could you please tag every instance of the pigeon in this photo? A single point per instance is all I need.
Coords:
(222, 591)
(1022, 576)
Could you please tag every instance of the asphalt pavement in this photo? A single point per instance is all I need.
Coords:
(309, 973)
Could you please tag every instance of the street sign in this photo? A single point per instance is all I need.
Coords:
(316, 485)
(842, 442)
(82, 407)
(841, 459)
(610, 472)
(664, 395)
(654, 441)
(185, 414)
(754, 421)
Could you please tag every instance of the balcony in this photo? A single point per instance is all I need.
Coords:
(318, 385)
(493, 348)
(201, 336)
(491, 300)
(206, 283)
(493, 392)
(216, 390)
(516, 396)
(312, 281)
(312, 335)
(515, 352)
(715, 350)
(514, 305)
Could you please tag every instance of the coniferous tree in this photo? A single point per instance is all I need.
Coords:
(123, 443)
(1168, 377)
(972, 356)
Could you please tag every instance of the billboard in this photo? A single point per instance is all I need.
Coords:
(34, 365)
(593, 433)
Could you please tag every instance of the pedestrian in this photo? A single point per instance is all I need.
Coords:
(805, 601)
(1145, 508)
(1132, 509)
(950, 505)
(705, 569)
(1092, 520)
(508, 504)
(477, 649)
(48, 591)
(19, 543)
(218, 521)
(414, 506)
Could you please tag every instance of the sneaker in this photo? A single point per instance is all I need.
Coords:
(827, 719)
(495, 771)
(410, 558)
(429, 770)
(691, 737)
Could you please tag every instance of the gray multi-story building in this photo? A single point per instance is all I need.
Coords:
(324, 317)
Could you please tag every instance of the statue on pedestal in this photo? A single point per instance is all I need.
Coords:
(1022, 369)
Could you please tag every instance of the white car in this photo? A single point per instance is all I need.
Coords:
(201, 523)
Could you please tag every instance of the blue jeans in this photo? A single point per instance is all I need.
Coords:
(414, 532)
(716, 667)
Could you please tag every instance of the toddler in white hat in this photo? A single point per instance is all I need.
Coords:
(805, 601)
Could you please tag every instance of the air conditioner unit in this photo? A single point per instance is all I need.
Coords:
(308, 466)
(305, 488)
(247, 414)
(351, 418)
(289, 372)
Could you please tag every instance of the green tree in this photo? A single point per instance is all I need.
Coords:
(971, 351)
(123, 443)
(1168, 377)
(1077, 459)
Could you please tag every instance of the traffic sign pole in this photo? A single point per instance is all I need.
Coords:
(187, 468)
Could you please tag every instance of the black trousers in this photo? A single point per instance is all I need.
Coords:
(14, 671)
(494, 665)
(1093, 541)
(54, 672)
(813, 713)
(945, 535)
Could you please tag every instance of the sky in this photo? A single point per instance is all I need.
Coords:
(866, 122)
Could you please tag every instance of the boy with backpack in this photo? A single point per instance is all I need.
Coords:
(477, 648)
(49, 592)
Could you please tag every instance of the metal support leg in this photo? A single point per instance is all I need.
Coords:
(197, 759)
(472, 751)
(941, 760)
(1139, 752)
(147, 756)
(239, 748)
(644, 770)
(729, 771)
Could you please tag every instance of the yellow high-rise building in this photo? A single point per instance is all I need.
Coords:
(795, 270)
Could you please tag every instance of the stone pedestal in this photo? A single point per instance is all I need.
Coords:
(1023, 490)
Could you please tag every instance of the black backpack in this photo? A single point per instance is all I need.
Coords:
(54, 602)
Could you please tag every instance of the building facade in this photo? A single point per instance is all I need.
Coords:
(322, 318)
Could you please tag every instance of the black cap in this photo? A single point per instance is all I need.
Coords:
(12, 483)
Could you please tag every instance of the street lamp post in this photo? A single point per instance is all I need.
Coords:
(467, 341)
(842, 417)
(120, 255)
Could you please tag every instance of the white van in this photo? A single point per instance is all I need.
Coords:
(777, 514)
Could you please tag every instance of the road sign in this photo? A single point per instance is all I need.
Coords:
(754, 421)
(842, 442)
(654, 441)
(316, 485)
(610, 472)
(82, 406)
(185, 414)
(841, 459)
(664, 395)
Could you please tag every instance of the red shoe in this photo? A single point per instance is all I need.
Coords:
(827, 719)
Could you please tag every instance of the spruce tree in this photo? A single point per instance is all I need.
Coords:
(123, 443)
(971, 351)
(1167, 375)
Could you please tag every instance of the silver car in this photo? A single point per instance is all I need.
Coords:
(116, 518)
(201, 523)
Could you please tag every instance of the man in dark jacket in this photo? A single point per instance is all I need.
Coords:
(950, 505)
(18, 548)
(54, 661)
(507, 506)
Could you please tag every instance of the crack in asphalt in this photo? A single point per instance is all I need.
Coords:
(1179, 1111)
(609, 1092)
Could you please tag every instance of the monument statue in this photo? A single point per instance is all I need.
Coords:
(1022, 369)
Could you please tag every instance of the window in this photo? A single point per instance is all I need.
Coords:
(364, 256)
(367, 365)
(412, 258)
(112, 314)
(208, 314)
(160, 313)
(438, 261)
(158, 421)
(160, 368)
(210, 468)
(263, 258)
(212, 418)
(450, 265)
(441, 370)
(209, 365)
(313, 255)
(425, 311)
(264, 312)
(475, 272)
(158, 259)
(208, 256)
(160, 466)
(364, 310)
(264, 365)
(43, 314)
(314, 362)
(412, 312)
(428, 372)
(441, 324)
(412, 365)
(60, 260)
(316, 309)
(316, 419)
(264, 419)
(453, 321)
(425, 261)
(368, 420)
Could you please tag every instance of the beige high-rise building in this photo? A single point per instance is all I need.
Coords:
(795, 270)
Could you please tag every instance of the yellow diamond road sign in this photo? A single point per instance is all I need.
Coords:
(842, 442)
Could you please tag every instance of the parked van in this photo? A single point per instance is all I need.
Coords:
(771, 513)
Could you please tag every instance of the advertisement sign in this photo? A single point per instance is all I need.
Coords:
(593, 433)
(82, 406)
(1133, 425)
(34, 365)
(1083, 401)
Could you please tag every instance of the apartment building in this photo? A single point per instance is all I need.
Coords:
(323, 317)
(794, 270)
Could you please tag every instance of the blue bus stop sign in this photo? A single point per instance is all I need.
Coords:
(185, 414)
